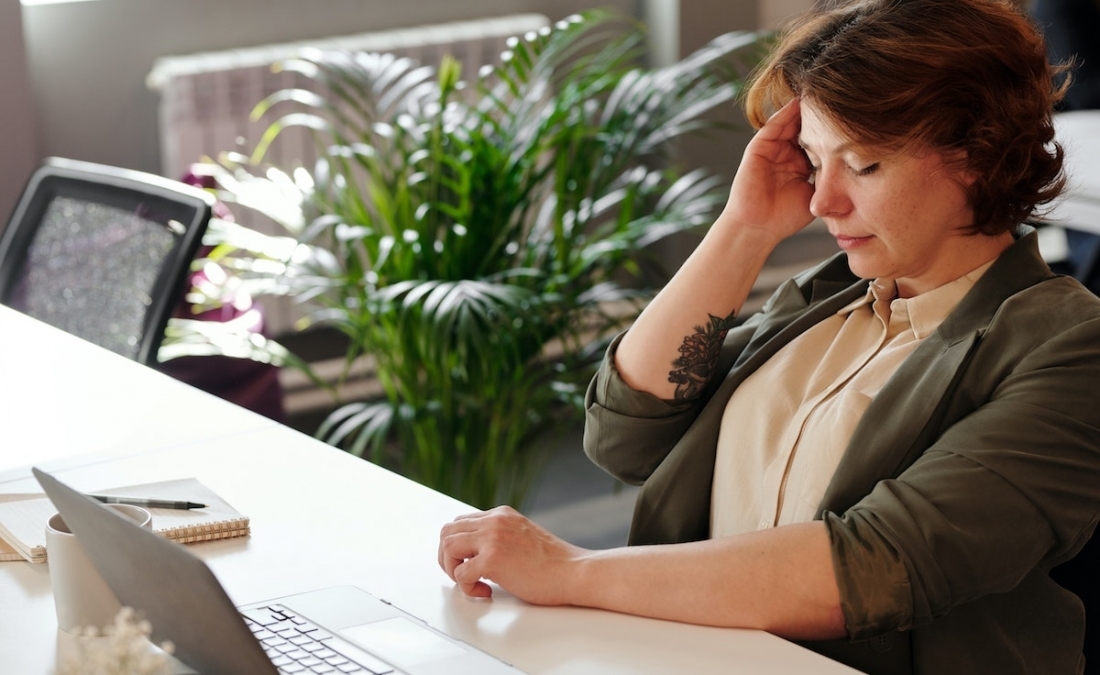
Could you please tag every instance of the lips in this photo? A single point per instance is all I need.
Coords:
(847, 242)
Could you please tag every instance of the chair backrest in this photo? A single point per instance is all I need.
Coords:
(102, 252)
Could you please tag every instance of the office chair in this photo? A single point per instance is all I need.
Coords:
(102, 252)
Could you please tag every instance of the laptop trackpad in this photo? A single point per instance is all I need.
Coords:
(403, 642)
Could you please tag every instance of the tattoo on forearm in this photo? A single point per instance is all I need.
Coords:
(699, 356)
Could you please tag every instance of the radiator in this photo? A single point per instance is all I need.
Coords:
(205, 99)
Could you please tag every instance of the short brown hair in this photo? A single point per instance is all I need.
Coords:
(944, 75)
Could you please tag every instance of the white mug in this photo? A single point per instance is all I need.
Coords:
(82, 599)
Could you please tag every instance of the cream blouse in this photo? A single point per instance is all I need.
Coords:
(787, 426)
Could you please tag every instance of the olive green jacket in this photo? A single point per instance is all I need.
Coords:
(973, 472)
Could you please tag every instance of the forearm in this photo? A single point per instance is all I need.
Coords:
(713, 282)
(671, 350)
(779, 580)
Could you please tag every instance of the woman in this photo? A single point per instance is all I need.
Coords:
(887, 460)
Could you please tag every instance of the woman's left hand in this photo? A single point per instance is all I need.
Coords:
(508, 549)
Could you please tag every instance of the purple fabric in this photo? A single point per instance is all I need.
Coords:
(247, 383)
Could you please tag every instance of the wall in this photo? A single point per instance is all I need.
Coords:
(88, 60)
(73, 73)
(698, 22)
(18, 135)
(774, 12)
(701, 21)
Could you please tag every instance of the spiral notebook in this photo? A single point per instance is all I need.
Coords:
(23, 517)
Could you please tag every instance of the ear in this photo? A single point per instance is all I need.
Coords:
(958, 162)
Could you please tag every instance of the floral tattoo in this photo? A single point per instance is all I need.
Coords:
(699, 356)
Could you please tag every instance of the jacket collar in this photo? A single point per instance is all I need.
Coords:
(914, 400)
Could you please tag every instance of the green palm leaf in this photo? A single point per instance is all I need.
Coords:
(476, 238)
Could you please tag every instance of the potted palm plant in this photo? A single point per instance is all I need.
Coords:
(479, 240)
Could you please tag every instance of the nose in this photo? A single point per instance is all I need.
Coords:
(830, 194)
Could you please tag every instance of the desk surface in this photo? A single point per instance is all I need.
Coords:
(320, 518)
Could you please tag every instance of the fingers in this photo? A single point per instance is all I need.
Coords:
(469, 580)
(453, 551)
(506, 549)
(770, 192)
(463, 523)
(479, 589)
(775, 146)
(459, 547)
(784, 124)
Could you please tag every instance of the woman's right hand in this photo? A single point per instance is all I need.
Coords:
(772, 188)
(769, 201)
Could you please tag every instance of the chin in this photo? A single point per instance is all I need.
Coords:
(862, 269)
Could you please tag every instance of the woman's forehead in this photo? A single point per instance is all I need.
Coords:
(826, 133)
(822, 133)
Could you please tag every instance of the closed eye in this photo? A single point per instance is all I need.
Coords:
(868, 170)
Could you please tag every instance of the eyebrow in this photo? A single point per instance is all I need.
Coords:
(843, 147)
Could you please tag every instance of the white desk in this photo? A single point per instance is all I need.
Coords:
(320, 517)
(1079, 133)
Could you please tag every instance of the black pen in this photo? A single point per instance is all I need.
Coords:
(148, 503)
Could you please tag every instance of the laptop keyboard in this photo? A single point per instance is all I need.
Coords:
(297, 646)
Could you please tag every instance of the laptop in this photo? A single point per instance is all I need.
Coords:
(344, 628)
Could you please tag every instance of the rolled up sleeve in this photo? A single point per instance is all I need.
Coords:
(629, 432)
(1011, 486)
